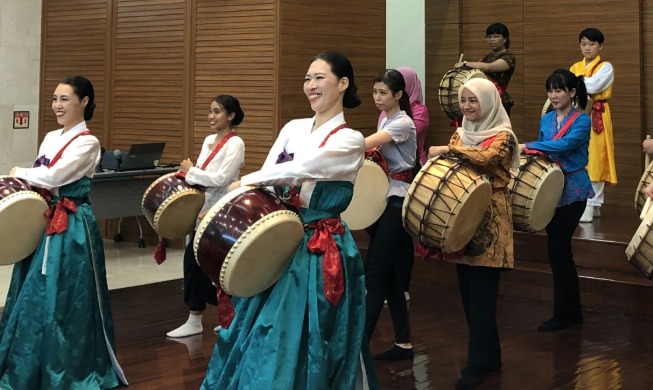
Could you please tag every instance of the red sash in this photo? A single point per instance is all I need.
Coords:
(57, 214)
(598, 107)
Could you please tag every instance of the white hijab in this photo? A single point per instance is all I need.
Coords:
(493, 120)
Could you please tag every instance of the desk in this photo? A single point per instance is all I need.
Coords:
(119, 194)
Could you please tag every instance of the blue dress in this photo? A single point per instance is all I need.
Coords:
(290, 336)
(56, 330)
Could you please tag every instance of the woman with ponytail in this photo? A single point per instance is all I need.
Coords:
(565, 136)
(390, 252)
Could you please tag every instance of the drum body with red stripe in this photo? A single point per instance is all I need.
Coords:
(22, 219)
(246, 240)
(171, 205)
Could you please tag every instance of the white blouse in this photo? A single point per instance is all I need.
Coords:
(338, 160)
(78, 160)
(220, 172)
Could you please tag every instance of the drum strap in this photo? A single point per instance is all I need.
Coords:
(405, 176)
(215, 150)
(293, 193)
(322, 242)
(332, 132)
(58, 155)
(558, 135)
(375, 156)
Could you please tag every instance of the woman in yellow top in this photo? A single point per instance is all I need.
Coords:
(598, 77)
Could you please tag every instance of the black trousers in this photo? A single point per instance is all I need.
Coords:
(389, 247)
(566, 292)
(479, 290)
(198, 288)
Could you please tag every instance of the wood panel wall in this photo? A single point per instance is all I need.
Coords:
(157, 64)
(542, 41)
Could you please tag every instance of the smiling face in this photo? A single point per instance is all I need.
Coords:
(470, 105)
(590, 49)
(218, 117)
(67, 106)
(384, 99)
(323, 88)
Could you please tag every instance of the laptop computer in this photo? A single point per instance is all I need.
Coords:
(140, 156)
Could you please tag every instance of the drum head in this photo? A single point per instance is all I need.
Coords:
(466, 222)
(368, 201)
(177, 216)
(640, 248)
(546, 199)
(261, 254)
(22, 224)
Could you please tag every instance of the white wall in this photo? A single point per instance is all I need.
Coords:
(20, 53)
(405, 36)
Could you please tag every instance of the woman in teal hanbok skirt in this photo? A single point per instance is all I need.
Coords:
(308, 330)
(56, 330)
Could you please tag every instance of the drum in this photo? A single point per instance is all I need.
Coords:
(368, 201)
(171, 205)
(22, 219)
(246, 240)
(535, 191)
(446, 203)
(640, 249)
(644, 181)
(449, 86)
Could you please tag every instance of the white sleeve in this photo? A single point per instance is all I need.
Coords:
(341, 156)
(601, 80)
(399, 129)
(78, 160)
(234, 156)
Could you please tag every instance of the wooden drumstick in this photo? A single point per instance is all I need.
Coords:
(647, 158)
(461, 58)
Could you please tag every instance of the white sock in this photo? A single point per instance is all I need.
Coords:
(195, 319)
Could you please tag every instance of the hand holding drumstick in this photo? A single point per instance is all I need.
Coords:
(460, 62)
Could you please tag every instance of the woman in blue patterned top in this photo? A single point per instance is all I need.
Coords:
(564, 136)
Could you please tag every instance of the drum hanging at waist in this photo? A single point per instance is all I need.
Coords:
(22, 219)
(246, 240)
(446, 203)
(450, 86)
(171, 205)
(535, 193)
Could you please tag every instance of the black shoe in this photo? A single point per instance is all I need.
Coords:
(557, 323)
(395, 353)
(469, 379)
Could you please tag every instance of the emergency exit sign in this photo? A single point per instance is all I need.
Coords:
(21, 119)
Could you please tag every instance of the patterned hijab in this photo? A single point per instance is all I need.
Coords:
(493, 120)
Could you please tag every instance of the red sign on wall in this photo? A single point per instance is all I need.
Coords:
(21, 119)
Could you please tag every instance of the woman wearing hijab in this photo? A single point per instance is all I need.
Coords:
(486, 140)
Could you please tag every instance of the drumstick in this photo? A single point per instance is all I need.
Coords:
(645, 209)
(647, 158)
(461, 58)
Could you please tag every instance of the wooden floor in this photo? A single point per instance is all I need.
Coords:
(607, 352)
(613, 349)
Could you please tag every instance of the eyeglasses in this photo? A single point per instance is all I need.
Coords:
(493, 37)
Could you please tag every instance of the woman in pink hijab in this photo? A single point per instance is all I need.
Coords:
(420, 112)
